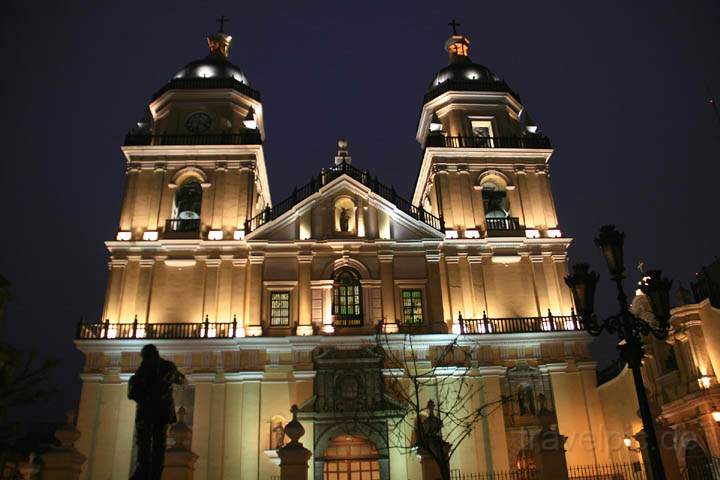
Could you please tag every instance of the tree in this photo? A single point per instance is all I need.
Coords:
(441, 398)
(24, 378)
(426, 398)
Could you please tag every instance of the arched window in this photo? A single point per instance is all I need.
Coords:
(495, 200)
(188, 200)
(347, 309)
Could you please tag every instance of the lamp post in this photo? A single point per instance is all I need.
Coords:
(629, 328)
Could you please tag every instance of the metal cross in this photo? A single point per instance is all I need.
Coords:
(454, 26)
(222, 21)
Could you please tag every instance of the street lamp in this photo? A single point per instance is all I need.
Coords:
(629, 328)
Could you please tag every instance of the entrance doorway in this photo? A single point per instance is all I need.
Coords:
(351, 457)
(696, 462)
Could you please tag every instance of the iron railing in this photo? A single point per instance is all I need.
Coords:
(166, 331)
(550, 323)
(528, 141)
(469, 86)
(182, 225)
(468, 326)
(208, 83)
(528, 474)
(707, 469)
(245, 137)
(615, 471)
(502, 224)
(328, 175)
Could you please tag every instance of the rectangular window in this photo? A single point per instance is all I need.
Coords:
(279, 308)
(483, 133)
(412, 307)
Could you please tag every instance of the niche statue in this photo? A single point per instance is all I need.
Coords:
(344, 219)
(152, 388)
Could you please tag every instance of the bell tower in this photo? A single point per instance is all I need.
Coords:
(195, 175)
(196, 167)
(485, 163)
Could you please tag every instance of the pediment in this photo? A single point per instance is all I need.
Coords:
(317, 217)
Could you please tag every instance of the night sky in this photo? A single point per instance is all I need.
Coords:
(621, 88)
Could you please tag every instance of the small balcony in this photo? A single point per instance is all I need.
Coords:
(503, 227)
(525, 142)
(550, 323)
(182, 228)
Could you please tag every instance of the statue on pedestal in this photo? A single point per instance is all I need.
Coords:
(152, 388)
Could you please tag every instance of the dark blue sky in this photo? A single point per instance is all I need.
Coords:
(620, 88)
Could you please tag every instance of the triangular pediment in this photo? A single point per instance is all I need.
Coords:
(368, 216)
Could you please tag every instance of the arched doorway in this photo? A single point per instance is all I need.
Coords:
(696, 462)
(351, 457)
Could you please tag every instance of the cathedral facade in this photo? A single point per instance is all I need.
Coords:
(264, 304)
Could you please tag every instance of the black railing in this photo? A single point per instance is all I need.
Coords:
(469, 86)
(208, 83)
(551, 323)
(528, 141)
(617, 471)
(328, 175)
(166, 331)
(245, 137)
(182, 225)
(507, 224)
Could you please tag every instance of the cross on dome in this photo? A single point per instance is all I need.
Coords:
(454, 24)
(222, 21)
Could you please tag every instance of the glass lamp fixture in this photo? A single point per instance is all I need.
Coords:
(627, 441)
(215, 235)
(123, 236)
(249, 121)
(239, 234)
(435, 125)
(150, 235)
(611, 243)
(582, 283)
(715, 416)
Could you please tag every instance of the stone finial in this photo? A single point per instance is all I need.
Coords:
(294, 429)
(68, 434)
(29, 469)
(180, 432)
(343, 155)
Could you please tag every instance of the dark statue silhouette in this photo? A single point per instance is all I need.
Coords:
(152, 388)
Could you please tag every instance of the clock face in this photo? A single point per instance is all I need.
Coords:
(198, 122)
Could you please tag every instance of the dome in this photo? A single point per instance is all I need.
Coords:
(212, 66)
(463, 69)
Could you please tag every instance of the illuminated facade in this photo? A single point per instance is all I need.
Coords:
(253, 299)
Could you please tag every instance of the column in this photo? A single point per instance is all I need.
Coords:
(493, 425)
(155, 197)
(87, 416)
(435, 292)
(128, 202)
(201, 425)
(388, 292)
(466, 197)
(478, 285)
(712, 434)
(254, 292)
(127, 312)
(327, 308)
(573, 418)
(218, 204)
(518, 197)
(142, 298)
(233, 432)
(250, 452)
(224, 289)
(210, 303)
(237, 302)
(114, 289)
(442, 189)
(455, 290)
(304, 295)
